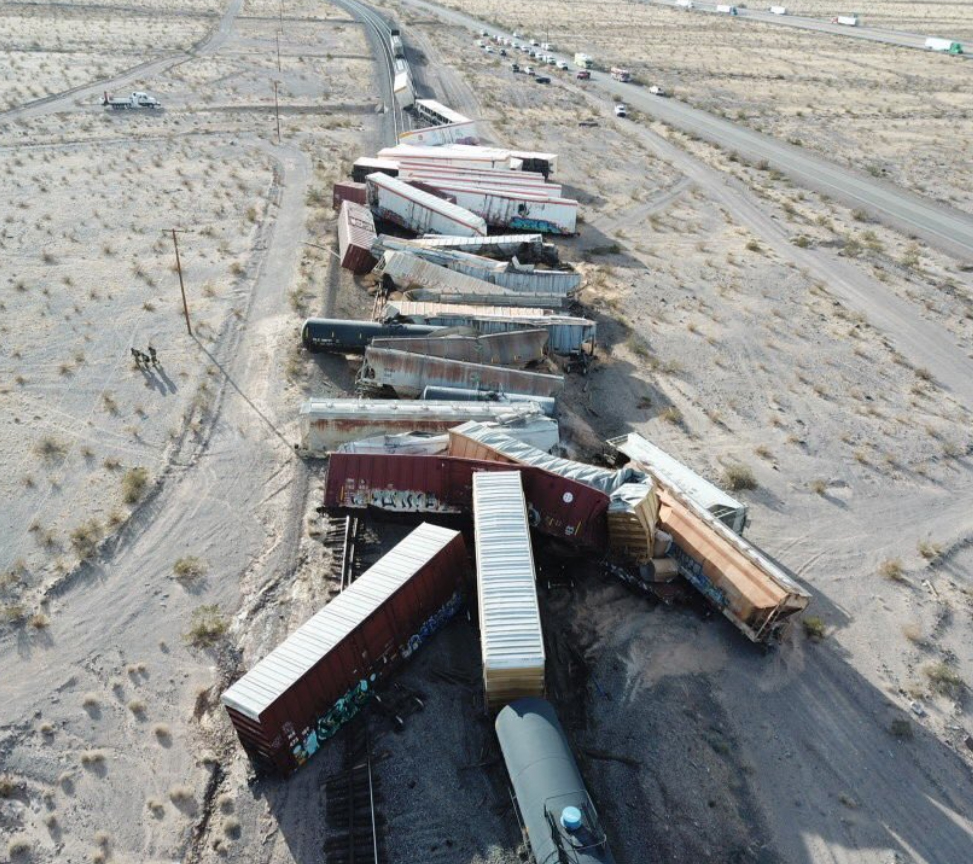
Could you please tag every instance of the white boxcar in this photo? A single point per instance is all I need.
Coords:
(437, 136)
(511, 638)
(521, 181)
(395, 201)
(672, 474)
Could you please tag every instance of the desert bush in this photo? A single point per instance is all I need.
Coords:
(819, 487)
(19, 847)
(8, 786)
(85, 538)
(944, 680)
(189, 568)
(39, 621)
(891, 568)
(133, 484)
(137, 707)
(90, 700)
(231, 826)
(814, 628)
(672, 415)
(92, 757)
(181, 793)
(739, 476)
(50, 449)
(207, 627)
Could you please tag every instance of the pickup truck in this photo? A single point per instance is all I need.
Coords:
(656, 90)
(583, 75)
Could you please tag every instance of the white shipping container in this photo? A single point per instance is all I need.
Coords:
(398, 202)
(511, 638)
(778, 10)
(520, 211)
(847, 20)
(726, 10)
(489, 179)
(934, 44)
(453, 154)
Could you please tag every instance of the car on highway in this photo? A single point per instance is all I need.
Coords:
(583, 75)
(562, 65)
(528, 70)
(542, 79)
(488, 50)
(514, 67)
(621, 110)
(503, 52)
(656, 90)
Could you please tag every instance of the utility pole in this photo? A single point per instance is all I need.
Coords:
(277, 111)
(278, 50)
(182, 287)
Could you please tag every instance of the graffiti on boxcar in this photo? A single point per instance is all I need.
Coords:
(306, 744)
(433, 624)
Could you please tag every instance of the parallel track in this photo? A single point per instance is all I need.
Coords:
(371, 19)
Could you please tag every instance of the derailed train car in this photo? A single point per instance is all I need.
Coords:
(340, 336)
(300, 694)
(552, 802)
(404, 483)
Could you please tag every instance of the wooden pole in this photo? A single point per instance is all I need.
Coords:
(277, 112)
(182, 286)
(278, 50)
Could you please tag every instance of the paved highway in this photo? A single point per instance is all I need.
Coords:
(939, 225)
(872, 34)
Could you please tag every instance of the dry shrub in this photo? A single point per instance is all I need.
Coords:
(181, 793)
(944, 680)
(133, 484)
(189, 568)
(739, 476)
(891, 568)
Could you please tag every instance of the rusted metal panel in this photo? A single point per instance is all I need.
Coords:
(527, 247)
(295, 699)
(424, 280)
(519, 348)
(729, 571)
(348, 191)
(396, 201)
(409, 374)
(328, 423)
(356, 234)
(365, 165)
(419, 311)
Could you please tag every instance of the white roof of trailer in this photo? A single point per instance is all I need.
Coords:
(387, 409)
(300, 652)
(445, 111)
(420, 309)
(510, 624)
(674, 474)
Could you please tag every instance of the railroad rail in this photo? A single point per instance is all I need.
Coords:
(383, 32)
(352, 797)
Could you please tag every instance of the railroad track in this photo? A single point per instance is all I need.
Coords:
(341, 535)
(371, 19)
(352, 798)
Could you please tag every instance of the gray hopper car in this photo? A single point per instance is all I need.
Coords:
(339, 336)
(554, 806)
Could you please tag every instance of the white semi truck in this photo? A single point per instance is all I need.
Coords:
(847, 20)
(582, 61)
(138, 99)
(947, 46)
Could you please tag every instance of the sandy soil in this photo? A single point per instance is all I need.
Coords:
(111, 736)
(896, 112)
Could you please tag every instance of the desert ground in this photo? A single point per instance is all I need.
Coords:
(896, 112)
(161, 534)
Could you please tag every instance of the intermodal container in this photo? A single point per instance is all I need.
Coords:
(398, 202)
(511, 638)
(356, 234)
(347, 191)
(300, 694)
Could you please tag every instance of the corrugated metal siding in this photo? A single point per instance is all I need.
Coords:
(356, 234)
(410, 374)
(674, 474)
(518, 348)
(419, 309)
(419, 211)
(348, 191)
(511, 637)
(280, 670)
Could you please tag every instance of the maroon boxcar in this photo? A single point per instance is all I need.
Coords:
(346, 190)
(301, 693)
(356, 234)
(556, 505)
